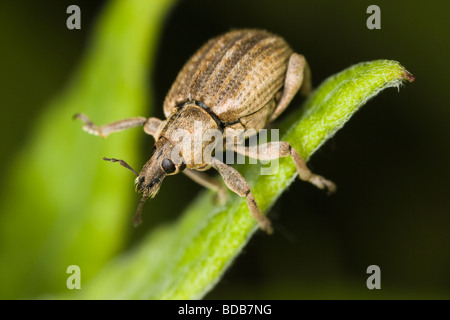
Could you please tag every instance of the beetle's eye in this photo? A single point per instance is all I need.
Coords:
(168, 166)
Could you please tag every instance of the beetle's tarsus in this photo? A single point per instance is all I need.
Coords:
(306, 175)
(107, 129)
(263, 221)
(323, 184)
(88, 125)
(266, 226)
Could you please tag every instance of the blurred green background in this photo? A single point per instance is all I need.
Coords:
(390, 161)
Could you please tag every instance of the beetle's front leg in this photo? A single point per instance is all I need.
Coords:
(236, 183)
(150, 125)
(274, 150)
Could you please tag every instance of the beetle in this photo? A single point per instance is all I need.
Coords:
(242, 79)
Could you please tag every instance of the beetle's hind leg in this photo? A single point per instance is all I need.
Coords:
(150, 125)
(298, 77)
(236, 183)
(274, 150)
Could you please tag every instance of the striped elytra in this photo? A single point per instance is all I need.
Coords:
(234, 75)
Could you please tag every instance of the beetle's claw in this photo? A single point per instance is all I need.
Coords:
(266, 226)
(323, 184)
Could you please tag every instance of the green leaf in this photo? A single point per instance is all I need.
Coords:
(186, 259)
(64, 205)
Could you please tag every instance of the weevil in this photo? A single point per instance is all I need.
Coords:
(242, 79)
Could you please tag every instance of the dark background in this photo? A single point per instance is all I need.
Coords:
(390, 161)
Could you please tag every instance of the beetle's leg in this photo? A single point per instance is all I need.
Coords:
(274, 150)
(297, 75)
(236, 182)
(151, 126)
(107, 129)
(208, 182)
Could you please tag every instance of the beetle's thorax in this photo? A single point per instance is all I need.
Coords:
(193, 131)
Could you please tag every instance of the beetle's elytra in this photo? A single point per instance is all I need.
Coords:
(242, 79)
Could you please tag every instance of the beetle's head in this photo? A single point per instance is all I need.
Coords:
(160, 165)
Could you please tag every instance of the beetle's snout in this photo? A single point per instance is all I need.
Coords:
(152, 174)
(149, 185)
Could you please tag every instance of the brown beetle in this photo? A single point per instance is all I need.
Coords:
(240, 80)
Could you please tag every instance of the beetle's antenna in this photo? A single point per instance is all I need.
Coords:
(137, 218)
(122, 163)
